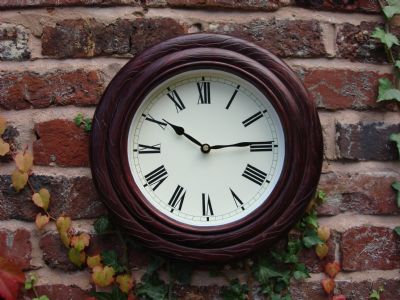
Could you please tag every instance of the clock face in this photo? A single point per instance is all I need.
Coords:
(206, 148)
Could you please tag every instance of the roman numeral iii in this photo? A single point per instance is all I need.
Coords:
(206, 205)
(254, 174)
(261, 146)
(177, 198)
(173, 95)
(156, 177)
(145, 149)
(253, 118)
(204, 92)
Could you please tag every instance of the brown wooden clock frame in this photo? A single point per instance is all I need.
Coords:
(303, 144)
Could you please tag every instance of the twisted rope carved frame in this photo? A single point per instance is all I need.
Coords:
(303, 144)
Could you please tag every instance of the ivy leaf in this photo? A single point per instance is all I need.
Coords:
(41, 220)
(24, 161)
(103, 276)
(43, 297)
(375, 295)
(151, 287)
(93, 261)
(386, 91)
(77, 257)
(181, 272)
(396, 186)
(155, 263)
(395, 137)
(125, 282)
(235, 291)
(78, 120)
(110, 258)
(42, 199)
(3, 125)
(30, 282)
(386, 38)
(115, 294)
(79, 242)
(4, 147)
(390, 11)
(63, 226)
(324, 233)
(310, 238)
(321, 250)
(19, 180)
(397, 64)
(301, 272)
(393, 2)
(397, 230)
(102, 225)
(11, 279)
(331, 269)
(328, 284)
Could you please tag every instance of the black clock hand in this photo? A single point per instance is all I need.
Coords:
(181, 131)
(242, 144)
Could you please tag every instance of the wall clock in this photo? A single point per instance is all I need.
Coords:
(206, 148)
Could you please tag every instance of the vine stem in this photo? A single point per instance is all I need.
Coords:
(31, 186)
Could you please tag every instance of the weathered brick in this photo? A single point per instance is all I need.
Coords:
(10, 136)
(237, 4)
(366, 141)
(57, 291)
(87, 38)
(50, 3)
(75, 197)
(285, 38)
(16, 244)
(371, 6)
(345, 89)
(301, 290)
(355, 43)
(362, 192)
(62, 143)
(30, 89)
(14, 42)
(368, 247)
(363, 289)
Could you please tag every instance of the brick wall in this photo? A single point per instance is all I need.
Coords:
(57, 56)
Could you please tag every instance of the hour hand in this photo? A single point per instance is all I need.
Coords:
(259, 145)
(181, 131)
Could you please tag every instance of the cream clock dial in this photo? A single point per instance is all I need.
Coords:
(206, 148)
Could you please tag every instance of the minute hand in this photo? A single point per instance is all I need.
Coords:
(242, 144)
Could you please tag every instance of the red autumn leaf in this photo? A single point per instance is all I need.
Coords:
(339, 297)
(11, 279)
(331, 269)
(328, 285)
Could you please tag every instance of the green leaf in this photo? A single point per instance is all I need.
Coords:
(151, 287)
(74, 256)
(155, 264)
(110, 258)
(87, 124)
(102, 225)
(116, 294)
(386, 38)
(78, 119)
(393, 2)
(395, 137)
(386, 91)
(235, 291)
(30, 282)
(375, 295)
(311, 238)
(397, 64)
(397, 230)
(301, 272)
(43, 297)
(181, 272)
(396, 186)
(390, 11)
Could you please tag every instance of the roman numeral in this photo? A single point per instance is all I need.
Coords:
(145, 149)
(156, 177)
(254, 174)
(177, 198)
(207, 208)
(261, 146)
(237, 200)
(173, 95)
(151, 119)
(253, 118)
(204, 92)
(233, 97)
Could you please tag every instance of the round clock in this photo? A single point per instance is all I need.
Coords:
(206, 148)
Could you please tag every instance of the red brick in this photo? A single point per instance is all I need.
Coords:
(33, 90)
(346, 6)
(366, 141)
(16, 244)
(62, 143)
(57, 292)
(301, 290)
(75, 197)
(50, 3)
(365, 193)
(362, 290)
(237, 4)
(345, 89)
(285, 38)
(368, 247)
(87, 38)
(14, 42)
(355, 43)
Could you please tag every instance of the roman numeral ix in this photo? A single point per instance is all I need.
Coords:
(207, 207)
(204, 92)
(253, 118)
(233, 97)
(254, 174)
(173, 95)
(177, 198)
(145, 149)
(156, 177)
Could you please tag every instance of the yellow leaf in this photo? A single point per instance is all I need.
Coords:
(63, 226)
(94, 261)
(324, 233)
(19, 179)
(42, 199)
(4, 147)
(321, 250)
(125, 282)
(3, 125)
(24, 161)
(76, 257)
(41, 220)
(79, 242)
(103, 276)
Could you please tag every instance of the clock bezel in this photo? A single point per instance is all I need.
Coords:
(303, 147)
